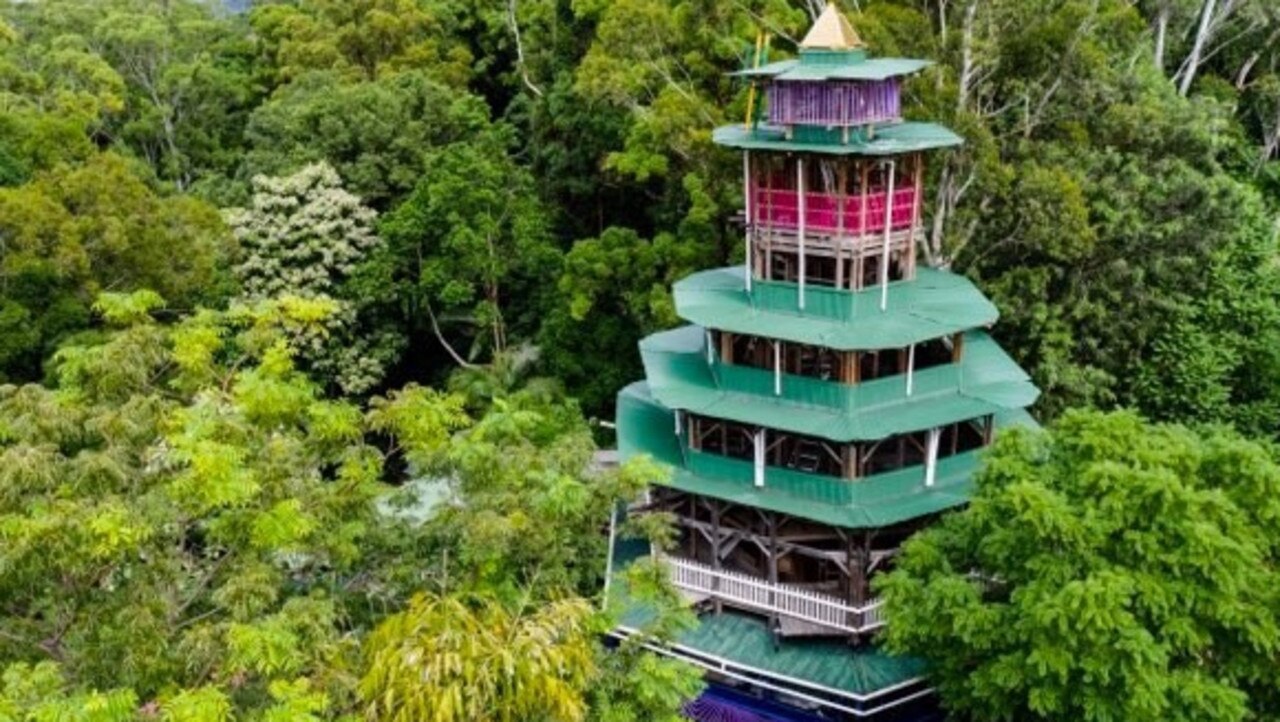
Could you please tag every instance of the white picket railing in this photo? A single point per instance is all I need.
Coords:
(735, 588)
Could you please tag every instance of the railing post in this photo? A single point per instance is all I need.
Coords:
(748, 190)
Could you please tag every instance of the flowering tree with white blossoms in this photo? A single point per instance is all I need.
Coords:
(304, 235)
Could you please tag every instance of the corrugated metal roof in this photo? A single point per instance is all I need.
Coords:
(798, 70)
(831, 663)
(986, 381)
(935, 304)
(887, 139)
(645, 426)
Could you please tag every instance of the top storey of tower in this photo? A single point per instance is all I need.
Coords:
(834, 93)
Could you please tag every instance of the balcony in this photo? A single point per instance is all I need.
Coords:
(780, 210)
(744, 591)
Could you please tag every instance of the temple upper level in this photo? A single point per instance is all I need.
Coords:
(832, 92)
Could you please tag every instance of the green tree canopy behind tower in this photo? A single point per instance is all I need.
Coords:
(1106, 570)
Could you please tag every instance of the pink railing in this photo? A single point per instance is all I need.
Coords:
(780, 209)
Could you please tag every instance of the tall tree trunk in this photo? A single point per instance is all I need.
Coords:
(1162, 32)
(1192, 64)
(967, 63)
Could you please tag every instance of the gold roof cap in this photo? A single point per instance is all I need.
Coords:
(832, 31)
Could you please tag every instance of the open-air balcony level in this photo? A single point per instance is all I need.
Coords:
(817, 611)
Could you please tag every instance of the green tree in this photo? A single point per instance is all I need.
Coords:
(364, 39)
(472, 245)
(75, 231)
(178, 513)
(306, 236)
(376, 134)
(452, 660)
(1106, 569)
(614, 289)
(170, 82)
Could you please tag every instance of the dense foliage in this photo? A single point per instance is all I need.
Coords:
(404, 247)
(1106, 570)
(190, 526)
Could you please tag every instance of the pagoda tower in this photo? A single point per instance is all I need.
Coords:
(829, 397)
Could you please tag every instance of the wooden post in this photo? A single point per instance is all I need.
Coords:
(849, 367)
(918, 203)
(860, 252)
(768, 222)
(746, 209)
(957, 347)
(693, 538)
(931, 457)
(777, 368)
(758, 450)
(841, 190)
(800, 207)
(911, 368)
(888, 233)
(695, 433)
(715, 552)
(772, 526)
(726, 347)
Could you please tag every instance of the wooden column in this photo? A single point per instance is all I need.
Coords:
(957, 348)
(746, 210)
(715, 550)
(931, 457)
(693, 538)
(800, 249)
(860, 252)
(841, 190)
(911, 368)
(888, 234)
(726, 347)
(758, 448)
(771, 524)
(918, 162)
(850, 453)
(849, 363)
(768, 222)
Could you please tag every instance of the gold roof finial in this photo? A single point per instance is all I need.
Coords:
(832, 31)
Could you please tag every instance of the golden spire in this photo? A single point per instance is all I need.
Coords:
(831, 31)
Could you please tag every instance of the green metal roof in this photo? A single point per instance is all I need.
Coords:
(886, 139)
(645, 426)
(986, 381)
(827, 68)
(935, 304)
(745, 641)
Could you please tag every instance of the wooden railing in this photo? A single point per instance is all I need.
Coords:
(744, 590)
(781, 209)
